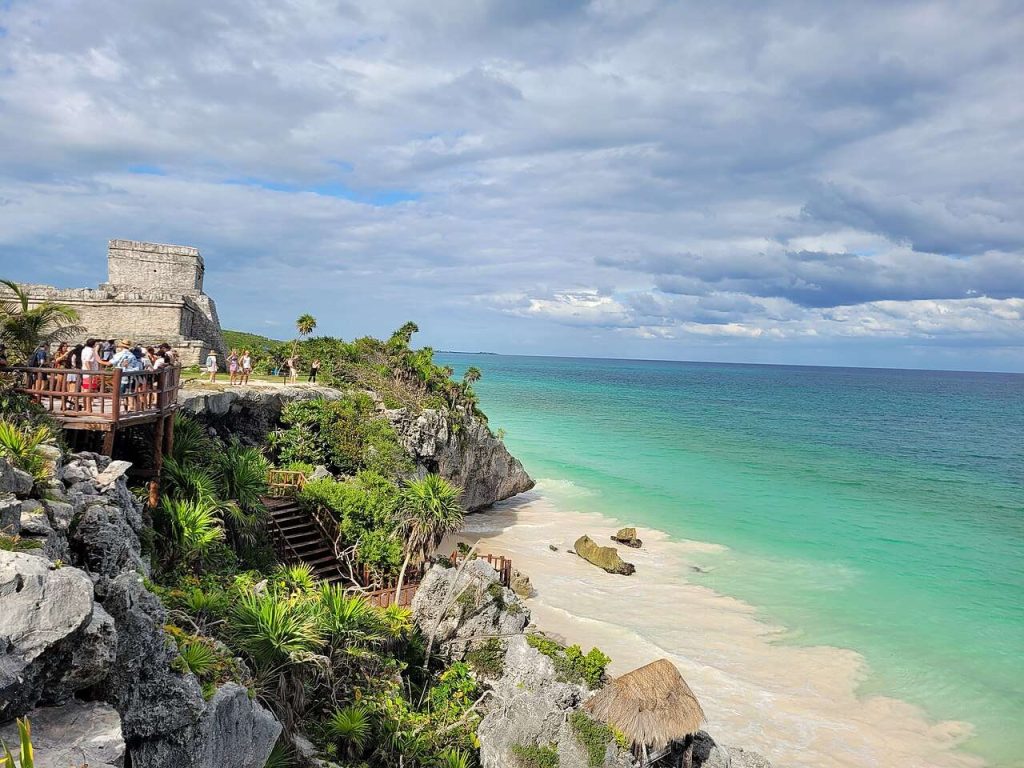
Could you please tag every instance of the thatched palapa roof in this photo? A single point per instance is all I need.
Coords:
(651, 705)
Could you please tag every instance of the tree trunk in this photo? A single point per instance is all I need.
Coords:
(401, 575)
(688, 752)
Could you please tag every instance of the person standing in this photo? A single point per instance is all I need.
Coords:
(293, 374)
(39, 359)
(211, 365)
(246, 363)
(233, 366)
(314, 369)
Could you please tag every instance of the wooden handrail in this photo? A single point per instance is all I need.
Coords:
(76, 394)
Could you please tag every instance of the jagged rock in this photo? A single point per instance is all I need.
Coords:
(104, 542)
(460, 608)
(75, 734)
(79, 471)
(320, 472)
(52, 640)
(552, 547)
(114, 470)
(603, 557)
(13, 480)
(521, 584)
(530, 706)
(708, 754)
(10, 516)
(628, 537)
(153, 699)
(34, 520)
(233, 732)
(59, 514)
(473, 459)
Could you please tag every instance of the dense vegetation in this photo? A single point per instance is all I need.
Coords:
(402, 376)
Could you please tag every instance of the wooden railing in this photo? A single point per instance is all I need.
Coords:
(382, 598)
(111, 395)
(282, 483)
(500, 563)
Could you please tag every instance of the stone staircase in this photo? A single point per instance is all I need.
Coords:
(298, 539)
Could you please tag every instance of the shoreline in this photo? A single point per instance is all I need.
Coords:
(797, 705)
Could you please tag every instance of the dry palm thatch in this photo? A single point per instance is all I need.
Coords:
(651, 705)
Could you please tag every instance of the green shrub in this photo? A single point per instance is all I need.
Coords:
(488, 659)
(593, 736)
(535, 756)
(20, 444)
(571, 664)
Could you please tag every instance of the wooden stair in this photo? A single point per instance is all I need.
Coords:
(298, 539)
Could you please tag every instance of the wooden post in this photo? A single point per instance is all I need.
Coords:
(115, 408)
(169, 434)
(158, 462)
(108, 440)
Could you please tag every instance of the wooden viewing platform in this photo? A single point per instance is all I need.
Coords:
(106, 401)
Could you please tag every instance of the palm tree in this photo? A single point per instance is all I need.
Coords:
(471, 376)
(430, 510)
(403, 336)
(24, 328)
(305, 325)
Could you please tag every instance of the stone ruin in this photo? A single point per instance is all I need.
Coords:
(154, 293)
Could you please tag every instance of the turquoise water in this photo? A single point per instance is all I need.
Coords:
(878, 510)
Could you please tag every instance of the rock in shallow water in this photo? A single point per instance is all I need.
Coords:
(628, 537)
(606, 558)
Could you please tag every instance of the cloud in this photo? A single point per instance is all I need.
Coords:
(594, 177)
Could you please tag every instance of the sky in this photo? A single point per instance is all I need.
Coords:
(788, 182)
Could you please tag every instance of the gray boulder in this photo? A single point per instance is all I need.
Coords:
(104, 542)
(709, 754)
(53, 641)
(75, 734)
(233, 732)
(10, 515)
(14, 481)
(153, 699)
(462, 609)
(473, 458)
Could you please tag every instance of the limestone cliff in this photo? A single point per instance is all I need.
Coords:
(457, 446)
(83, 651)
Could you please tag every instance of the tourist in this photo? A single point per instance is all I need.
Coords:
(211, 365)
(107, 350)
(90, 361)
(233, 366)
(39, 359)
(293, 374)
(314, 369)
(246, 363)
(73, 364)
(60, 360)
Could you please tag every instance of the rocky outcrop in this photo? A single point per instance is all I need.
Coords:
(709, 754)
(469, 455)
(54, 640)
(606, 558)
(627, 536)
(75, 734)
(88, 625)
(251, 412)
(460, 607)
(521, 584)
(466, 454)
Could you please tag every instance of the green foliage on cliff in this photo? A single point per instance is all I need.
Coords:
(345, 435)
(595, 737)
(366, 508)
(535, 756)
(571, 664)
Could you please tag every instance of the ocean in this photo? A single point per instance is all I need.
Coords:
(877, 511)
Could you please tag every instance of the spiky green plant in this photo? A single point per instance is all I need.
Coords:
(348, 620)
(350, 728)
(281, 756)
(188, 480)
(298, 578)
(455, 758)
(430, 510)
(242, 473)
(23, 328)
(26, 754)
(197, 657)
(275, 630)
(20, 445)
(205, 606)
(192, 528)
(192, 443)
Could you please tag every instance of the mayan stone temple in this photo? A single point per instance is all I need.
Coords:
(153, 293)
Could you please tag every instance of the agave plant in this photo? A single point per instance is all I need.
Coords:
(26, 755)
(350, 728)
(20, 445)
(192, 527)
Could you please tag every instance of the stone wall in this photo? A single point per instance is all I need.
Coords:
(153, 294)
(155, 267)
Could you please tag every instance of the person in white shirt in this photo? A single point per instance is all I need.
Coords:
(211, 366)
(246, 363)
